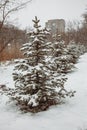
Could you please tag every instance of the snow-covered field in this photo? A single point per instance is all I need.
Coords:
(72, 115)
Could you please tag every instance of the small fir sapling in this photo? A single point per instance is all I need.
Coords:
(75, 50)
(61, 56)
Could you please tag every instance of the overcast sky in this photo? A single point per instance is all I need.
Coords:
(51, 9)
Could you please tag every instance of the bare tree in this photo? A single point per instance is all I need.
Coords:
(7, 7)
(72, 33)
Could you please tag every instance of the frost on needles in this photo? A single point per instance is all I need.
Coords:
(37, 84)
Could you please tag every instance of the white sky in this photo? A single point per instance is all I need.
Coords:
(51, 9)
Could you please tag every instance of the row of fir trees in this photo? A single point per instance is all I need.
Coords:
(40, 77)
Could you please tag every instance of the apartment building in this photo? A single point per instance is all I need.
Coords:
(56, 25)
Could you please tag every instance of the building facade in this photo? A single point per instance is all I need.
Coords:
(56, 25)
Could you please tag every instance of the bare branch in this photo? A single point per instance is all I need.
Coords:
(7, 7)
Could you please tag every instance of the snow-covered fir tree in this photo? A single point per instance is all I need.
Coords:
(61, 56)
(75, 50)
(37, 84)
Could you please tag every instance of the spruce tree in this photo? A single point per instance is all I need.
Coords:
(75, 50)
(61, 56)
(37, 84)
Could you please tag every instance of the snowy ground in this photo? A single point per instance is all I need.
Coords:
(69, 116)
